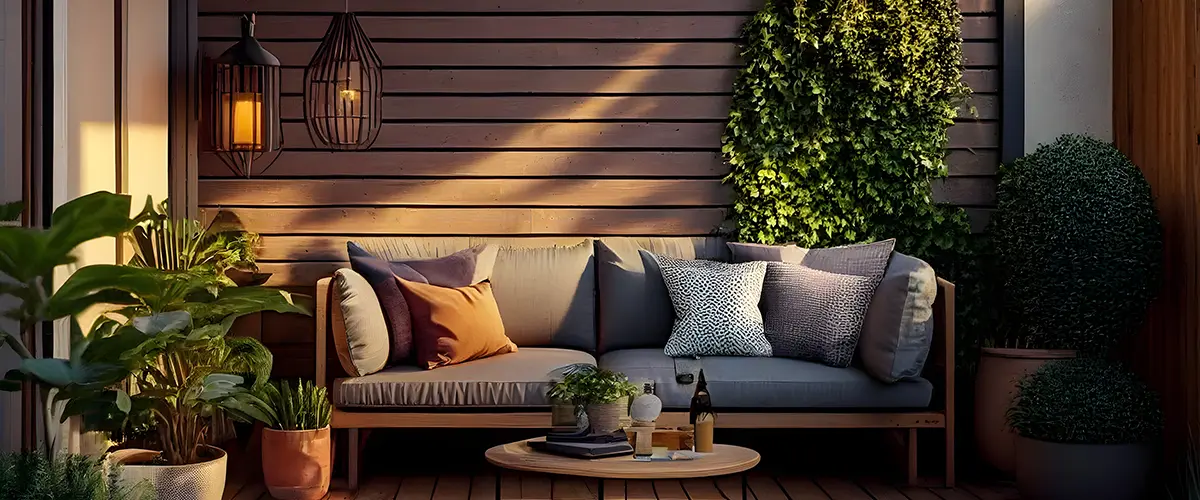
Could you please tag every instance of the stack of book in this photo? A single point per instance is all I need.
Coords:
(583, 444)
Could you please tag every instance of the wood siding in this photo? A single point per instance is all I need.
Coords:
(523, 117)
(1156, 118)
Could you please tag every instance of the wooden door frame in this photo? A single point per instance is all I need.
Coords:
(183, 119)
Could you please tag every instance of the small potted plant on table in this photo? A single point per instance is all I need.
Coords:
(603, 394)
(296, 443)
(1086, 429)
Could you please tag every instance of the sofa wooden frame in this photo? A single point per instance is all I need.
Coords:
(939, 370)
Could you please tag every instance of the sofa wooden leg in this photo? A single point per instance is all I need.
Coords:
(910, 457)
(950, 472)
(352, 463)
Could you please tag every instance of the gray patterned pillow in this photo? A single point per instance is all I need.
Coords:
(814, 315)
(716, 307)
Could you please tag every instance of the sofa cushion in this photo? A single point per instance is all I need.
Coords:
(544, 287)
(635, 310)
(454, 325)
(463, 268)
(814, 315)
(518, 379)
(898, 330)
(716, 307)
(362, 346)
(779, 383)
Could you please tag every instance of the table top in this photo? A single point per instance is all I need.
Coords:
(724, 460)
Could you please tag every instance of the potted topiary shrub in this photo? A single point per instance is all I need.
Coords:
(296, 443)
(603, 394)
(1078, 257)
(1087, 429)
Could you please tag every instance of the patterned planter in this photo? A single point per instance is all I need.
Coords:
(202, 481)
(608, 417)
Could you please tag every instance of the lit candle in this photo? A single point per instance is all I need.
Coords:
(245, 116)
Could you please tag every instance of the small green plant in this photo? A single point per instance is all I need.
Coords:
(1085, 401)
(1079, 247)
(306, 407)
(11, 211)
(37, 476)
(583, 385)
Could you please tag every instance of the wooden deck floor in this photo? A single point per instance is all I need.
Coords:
(540, 487)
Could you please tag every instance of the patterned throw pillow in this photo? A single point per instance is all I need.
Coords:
(814, 315)
(716, 307)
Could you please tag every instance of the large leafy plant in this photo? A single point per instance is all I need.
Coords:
(1078, 246)
(187, 246)
(839, 123)
(1085, 401)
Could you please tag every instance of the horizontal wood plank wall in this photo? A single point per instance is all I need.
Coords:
(524, 117)
(1156, 119)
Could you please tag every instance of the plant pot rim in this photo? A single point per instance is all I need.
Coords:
(1008, 352)
(1148, 442)
(296, 431)
(221, 455)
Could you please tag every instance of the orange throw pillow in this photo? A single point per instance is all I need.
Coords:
(454, 325)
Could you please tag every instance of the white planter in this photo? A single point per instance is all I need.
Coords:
(202, 481)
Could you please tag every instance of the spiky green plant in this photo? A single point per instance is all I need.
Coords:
(306, 407)
(187, 246)
(37, 476)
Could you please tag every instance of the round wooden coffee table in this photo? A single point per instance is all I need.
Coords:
(723, 461)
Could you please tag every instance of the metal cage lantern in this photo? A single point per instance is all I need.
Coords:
(343, 98)
(244, 106)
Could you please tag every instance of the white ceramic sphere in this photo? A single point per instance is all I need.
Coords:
(645, 408)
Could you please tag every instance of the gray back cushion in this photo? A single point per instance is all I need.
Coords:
(898, 329)
(635, 310)
(544, 287)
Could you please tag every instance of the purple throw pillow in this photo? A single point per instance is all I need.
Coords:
(463, 268)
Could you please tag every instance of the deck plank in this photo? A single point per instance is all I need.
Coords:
(639, 490)
(731, 487)
(510, 486)
(414, 488)
(702, 489)
(614, 489)
(993, 492)
(669, 489)
(483, 487)
(802, 488)
(918, 493)
(881, 490)
(765, 488)
(253, 491)
(453, 487)
(953, 494)
(535, 487)
(570, 488)
(842, 489)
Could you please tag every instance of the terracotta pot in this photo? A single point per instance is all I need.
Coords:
(607, 417)
(1064, 471)
(995, 388)
(202, 481)
(296, 463)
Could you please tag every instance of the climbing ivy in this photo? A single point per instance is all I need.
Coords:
(838, 127)
(839, 122)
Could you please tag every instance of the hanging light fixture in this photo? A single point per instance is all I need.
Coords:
(343, 98)
(244, 107)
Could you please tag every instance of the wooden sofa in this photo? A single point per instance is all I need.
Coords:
(939, 371)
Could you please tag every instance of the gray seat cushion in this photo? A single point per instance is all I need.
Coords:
(518, 379)
(779, 383)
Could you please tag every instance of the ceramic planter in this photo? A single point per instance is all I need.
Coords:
(1060, 471)
(296, 464)
(202, 481)
(563, 415)
(995, 388)
(607, 417)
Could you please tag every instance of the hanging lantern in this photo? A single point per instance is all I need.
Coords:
(343, 98)
(244, 108)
